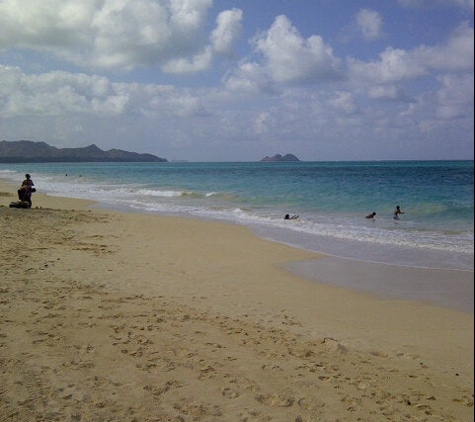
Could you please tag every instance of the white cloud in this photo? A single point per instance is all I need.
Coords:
(11, 80)
(448, 110)
(286, 58)
(261, 123)
(228, 30)
(455, 98)
(120, 34)
(290, 58)
(394, 65)
(62, 94)
(457, 54)
(58, 93)
(370, 24)
(197, 63)
(466, 4)
(186, 105)
(250, 78)
(397, 64)
(44, 24)
(344, 101)
(386, 92)
(126, 34)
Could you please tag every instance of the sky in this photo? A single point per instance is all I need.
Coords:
(223, 80)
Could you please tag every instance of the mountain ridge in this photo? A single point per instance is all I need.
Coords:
(25, 151)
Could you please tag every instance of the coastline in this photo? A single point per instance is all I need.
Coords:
(434, 233)
(137, 316)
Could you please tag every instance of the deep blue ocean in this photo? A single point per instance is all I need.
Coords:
(331, 199)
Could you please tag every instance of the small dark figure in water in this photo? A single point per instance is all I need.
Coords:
(293, 217)
(397, 212)
(371, 216)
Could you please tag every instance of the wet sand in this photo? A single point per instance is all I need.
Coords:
(446, 288)
(131, 317)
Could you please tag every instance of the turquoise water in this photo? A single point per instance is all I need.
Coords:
(331, 199)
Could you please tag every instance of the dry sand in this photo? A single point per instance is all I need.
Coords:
(107, 316)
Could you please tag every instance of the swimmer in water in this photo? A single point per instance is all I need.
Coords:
(397, 212)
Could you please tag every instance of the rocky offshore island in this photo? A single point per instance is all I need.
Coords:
(280, 158)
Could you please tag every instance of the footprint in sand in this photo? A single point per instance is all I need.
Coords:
(280, 400)
(230, 393)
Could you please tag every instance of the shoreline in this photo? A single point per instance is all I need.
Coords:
(117, 316)
(425, 239)
(364, 252)
(449, 288)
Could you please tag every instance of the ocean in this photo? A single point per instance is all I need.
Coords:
(330, 198)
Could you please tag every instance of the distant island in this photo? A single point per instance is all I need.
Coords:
(280, 158)
(41, 152)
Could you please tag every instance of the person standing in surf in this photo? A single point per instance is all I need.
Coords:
(397, 212)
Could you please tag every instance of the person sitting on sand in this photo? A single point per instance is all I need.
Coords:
(371, 216)
(24, 193)
(293, 217)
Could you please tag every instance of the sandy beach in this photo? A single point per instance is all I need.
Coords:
(108, 316)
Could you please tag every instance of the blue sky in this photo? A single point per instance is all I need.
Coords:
(224, 80)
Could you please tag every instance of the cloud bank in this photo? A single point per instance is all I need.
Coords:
(119, 34)
(289, 91)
